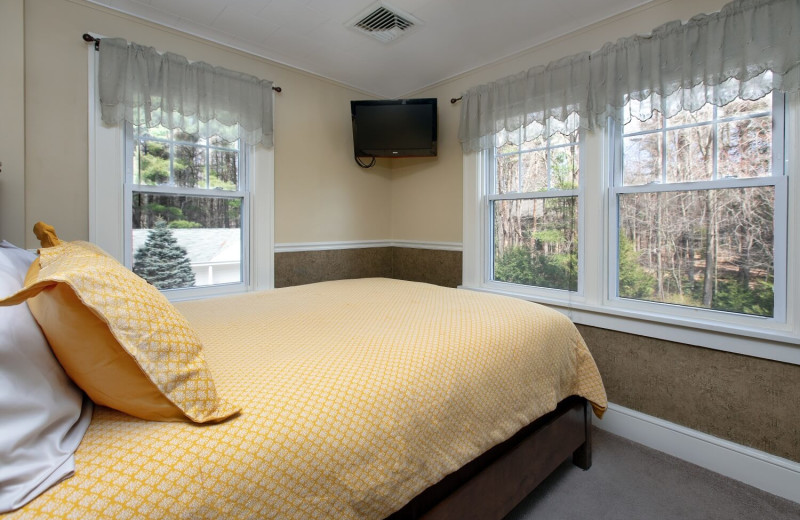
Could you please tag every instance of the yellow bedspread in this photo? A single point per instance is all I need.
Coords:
(356, 395)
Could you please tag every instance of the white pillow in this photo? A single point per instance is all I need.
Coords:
(43, 415)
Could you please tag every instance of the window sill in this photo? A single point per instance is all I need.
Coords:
(203, 292)
(774, 345)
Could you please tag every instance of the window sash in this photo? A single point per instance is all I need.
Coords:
(243, 194)
(489, 171)
(778, 142)
(777, 179)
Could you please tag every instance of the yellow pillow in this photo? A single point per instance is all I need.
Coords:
(118, 337)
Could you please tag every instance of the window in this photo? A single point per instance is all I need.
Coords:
(677, 228)
(696, 198)
(533, 202)
(687, 203)
(140, 178)
(186, 209)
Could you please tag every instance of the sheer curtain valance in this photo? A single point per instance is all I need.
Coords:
(542, 100)
(146, 88)
(747, 49)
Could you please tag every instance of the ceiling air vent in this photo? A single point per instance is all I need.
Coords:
(384, 23)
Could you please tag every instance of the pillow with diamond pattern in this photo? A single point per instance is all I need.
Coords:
(118, 337)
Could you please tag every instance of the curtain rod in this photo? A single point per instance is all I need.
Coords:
(88, 38)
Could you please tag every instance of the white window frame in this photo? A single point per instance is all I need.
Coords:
(777, 180)
(243, 194)
(491, 197)
(768, 338)
(109, 195)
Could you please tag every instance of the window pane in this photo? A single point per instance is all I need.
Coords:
(745, 148)
(728, 142)
(541, 164)
(641, 159)
(151, 163)
(184, 160)
(189, 166)
(507, 175)
(536, 242)
(183, 241)
(690, 154)
(564, 168)
(534, 171)
(223, 169)
(706, 248)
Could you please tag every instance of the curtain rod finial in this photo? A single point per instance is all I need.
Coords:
(455, 99)
(88, 38)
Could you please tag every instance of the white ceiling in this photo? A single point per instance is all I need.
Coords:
(455, 35)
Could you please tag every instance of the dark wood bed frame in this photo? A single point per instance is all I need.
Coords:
(491, 486)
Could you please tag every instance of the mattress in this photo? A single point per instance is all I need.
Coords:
(356, 395)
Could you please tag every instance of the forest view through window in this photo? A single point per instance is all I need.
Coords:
(534, 211)
(696, 196)
(187, 207)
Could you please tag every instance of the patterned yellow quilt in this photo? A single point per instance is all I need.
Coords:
(356, 395)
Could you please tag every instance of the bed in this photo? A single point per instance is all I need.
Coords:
(369, 398)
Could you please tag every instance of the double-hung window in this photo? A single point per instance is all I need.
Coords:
(186, 209)
(683, 193)
(186, 203)
(533, 206)
(699, 215)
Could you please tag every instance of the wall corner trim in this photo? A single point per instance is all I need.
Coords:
(756, 468)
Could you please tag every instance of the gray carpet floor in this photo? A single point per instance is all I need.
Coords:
(630, 481)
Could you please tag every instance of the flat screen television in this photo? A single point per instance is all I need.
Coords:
(394, 128)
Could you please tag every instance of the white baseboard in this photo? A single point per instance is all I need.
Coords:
(772, 474)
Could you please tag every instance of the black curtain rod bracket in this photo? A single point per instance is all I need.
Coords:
(88, 38)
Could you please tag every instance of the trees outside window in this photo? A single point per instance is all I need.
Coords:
(534, 210)
(695, 197)
(161, 261)
(193, 190)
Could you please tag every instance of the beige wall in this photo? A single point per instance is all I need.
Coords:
(426, 194)
(12, 122)
(321, 194)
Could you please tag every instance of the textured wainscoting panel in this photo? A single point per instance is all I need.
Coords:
(745, 400)
(302, 267)
(434, 266)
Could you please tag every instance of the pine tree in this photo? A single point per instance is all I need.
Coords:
(161, 261)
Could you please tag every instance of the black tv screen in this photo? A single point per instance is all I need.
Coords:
(394, 128)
